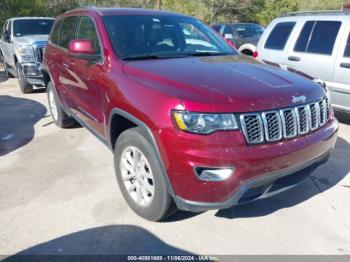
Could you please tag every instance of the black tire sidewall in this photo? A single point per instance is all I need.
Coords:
(7, 74)
(22, 81)
(59, 120)
(159, 207)
(63, 120)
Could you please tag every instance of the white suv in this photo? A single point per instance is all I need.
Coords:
(313, 44)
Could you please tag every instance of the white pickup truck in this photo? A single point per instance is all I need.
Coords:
(21, 49)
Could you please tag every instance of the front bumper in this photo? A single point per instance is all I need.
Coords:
(257, 167)
(33, 73)
(261, 187)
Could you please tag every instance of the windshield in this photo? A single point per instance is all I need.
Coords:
(161, 36)
(248, 30)
(32, 27)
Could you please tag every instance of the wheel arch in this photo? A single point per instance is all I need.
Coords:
(245, 48)
(120, 121)
(46, 76)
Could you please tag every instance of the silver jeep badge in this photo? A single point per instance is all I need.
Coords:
(298, 99)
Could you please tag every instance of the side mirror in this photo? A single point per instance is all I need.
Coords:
(81, 47)
(7, 36)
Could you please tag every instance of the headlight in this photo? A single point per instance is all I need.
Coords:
(204, 123)
(25, 53)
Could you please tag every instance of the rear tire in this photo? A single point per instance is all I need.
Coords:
(26, 88)
(59, 117)
(7, 74)
(138, 171)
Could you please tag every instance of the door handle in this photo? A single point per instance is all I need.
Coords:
(345, 65)
(294, 58)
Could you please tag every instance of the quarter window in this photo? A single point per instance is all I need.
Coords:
(68, 31)
(347, 48)
(318, 37)
(87, 30)
(279, 36)
(55, 35)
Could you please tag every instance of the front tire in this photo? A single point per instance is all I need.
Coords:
(7, 74)
(59, 117)
(26, 88)
(140, 177)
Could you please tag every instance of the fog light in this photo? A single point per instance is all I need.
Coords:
(214, 174)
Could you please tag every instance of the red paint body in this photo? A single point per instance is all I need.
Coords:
(150, 89)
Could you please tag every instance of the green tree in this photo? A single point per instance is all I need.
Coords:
(274, 8)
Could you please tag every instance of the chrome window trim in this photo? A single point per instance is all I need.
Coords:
(266, 126)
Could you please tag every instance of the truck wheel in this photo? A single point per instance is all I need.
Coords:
(26, 88)
(59, 117)
(140, 177)
(7, 74)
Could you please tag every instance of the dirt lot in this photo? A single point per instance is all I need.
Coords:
(59, 195)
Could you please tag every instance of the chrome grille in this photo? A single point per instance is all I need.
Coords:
(315, 115)
(285, 123)
(289, 123)
(323, 112)
(303, 116)
(252, 128)
(39, 53)
(272, 125)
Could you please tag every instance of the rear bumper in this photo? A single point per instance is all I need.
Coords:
(260, 187)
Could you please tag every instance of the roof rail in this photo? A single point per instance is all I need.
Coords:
(326, 12)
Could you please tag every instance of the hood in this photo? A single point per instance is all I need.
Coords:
(223, 83)
(30, 39)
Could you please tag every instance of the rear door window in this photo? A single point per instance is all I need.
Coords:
(304, 37)
(68, 31)
(279, 36)
(347, 48)
(318, 37)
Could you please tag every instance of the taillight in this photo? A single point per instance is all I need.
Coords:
(255, 54)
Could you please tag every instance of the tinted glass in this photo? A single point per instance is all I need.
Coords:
(228, 30)
(32, 27)
(323, 37)
(279, 36)
(248, 30)
(68, 31)
(217, 28)
(87, 30)
(304, 37)
(347, 48)
(166, 36)
(55, 35)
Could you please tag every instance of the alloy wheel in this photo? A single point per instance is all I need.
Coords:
(137, 176)
(53, 105)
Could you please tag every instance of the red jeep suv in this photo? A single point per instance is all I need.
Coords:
(193, 124)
